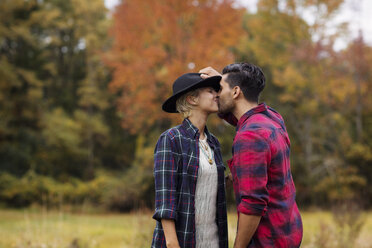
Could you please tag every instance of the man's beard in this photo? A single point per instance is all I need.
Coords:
(225, 107)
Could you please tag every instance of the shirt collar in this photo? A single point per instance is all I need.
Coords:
(258, 109)
(194, 131)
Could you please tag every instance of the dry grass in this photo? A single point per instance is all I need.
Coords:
(39, 228)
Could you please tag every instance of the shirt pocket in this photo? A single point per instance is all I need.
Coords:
(192, 165)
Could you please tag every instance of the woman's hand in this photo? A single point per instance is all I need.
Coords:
(173, 245)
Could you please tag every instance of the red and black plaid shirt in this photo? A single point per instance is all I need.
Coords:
(262, 178)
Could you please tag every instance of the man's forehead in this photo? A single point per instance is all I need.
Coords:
(223, 79)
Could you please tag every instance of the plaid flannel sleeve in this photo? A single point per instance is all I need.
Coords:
(165, 173)
(251, 159)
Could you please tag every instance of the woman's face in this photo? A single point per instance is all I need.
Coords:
(207, 100)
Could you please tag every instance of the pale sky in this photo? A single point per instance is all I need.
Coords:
(358, 13)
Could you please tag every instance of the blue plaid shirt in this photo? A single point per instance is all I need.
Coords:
(176, 161)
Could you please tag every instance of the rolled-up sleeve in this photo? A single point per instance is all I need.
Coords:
(251, 159)
(165, 173)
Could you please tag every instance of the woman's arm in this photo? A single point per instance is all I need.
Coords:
(165, 173)
(170, 233)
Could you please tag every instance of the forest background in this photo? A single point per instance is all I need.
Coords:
(81, 89)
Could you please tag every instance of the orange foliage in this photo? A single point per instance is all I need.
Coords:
(157, 41)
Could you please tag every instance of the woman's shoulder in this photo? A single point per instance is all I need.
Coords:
(172, 137)
(172, 133)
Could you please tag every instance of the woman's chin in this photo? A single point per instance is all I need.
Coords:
(214, 111)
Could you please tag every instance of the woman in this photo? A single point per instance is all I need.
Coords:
(190, 207)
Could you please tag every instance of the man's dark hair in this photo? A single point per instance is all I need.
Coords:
(248, 77)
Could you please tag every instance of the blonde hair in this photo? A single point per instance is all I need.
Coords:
(183, 106)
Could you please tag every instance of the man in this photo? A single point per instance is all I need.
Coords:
(264, 190)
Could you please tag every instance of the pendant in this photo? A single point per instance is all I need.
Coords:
(210, 161)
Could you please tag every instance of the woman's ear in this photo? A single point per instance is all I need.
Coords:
(193, 101)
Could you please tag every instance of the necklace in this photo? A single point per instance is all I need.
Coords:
(206, 151)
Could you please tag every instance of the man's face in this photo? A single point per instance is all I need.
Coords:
(225, 101)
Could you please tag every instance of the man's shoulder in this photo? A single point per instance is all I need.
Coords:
(274, 112)
(259, 126)
(253, 132)
(259, 123)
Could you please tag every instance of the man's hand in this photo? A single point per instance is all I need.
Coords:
(247, 225)
(208, 72)
(228, 180)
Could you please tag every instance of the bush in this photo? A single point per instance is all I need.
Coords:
(110, 192)
(21, 192)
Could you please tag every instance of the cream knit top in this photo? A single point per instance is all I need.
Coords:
(205, 201)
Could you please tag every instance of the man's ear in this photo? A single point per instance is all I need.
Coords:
(236, 91)
(192, 100)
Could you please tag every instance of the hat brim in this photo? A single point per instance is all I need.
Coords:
(170, 104)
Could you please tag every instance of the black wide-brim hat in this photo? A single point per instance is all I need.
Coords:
(188, 82)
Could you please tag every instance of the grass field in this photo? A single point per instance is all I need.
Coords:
(37, 228)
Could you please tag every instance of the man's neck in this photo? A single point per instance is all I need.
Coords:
(243, 107)
(199, 120)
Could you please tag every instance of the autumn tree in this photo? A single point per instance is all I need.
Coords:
(53, 87)
(78, 88)
(154, 42)
(21, 90)
(301, 65)
(157, 41)
(354, 67)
